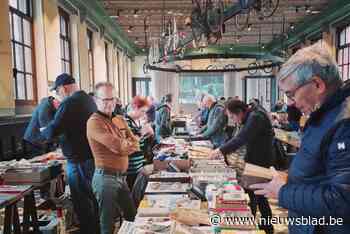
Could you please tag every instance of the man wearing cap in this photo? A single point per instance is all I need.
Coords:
(317, 189)
(69, 125)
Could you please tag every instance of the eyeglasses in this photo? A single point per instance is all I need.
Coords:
(291, 94)
(106, 99)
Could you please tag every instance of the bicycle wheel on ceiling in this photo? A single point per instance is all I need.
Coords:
(196, 25)
(242, 20)
(214, 15)
(267, 7)
(268, 63)
(252, 68)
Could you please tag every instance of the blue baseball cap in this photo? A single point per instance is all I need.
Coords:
(63, 79)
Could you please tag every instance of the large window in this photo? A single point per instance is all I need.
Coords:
(344, 52)
(106, 60)
(21, 26)
(91, 58)
(141, 86)
(66, 58)
(193, 84)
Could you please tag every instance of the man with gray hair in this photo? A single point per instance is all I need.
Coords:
(216, 122)
(318, 184)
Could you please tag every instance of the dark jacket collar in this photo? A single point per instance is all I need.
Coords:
(104, 115)
(246, 116)
(330, 103)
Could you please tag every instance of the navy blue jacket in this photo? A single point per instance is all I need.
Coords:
(69, 125)
(319, 183)
(163, 122)
(41, 116)
(204, 115)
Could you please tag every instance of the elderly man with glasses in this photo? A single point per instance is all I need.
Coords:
(317, 187)
(111, 142)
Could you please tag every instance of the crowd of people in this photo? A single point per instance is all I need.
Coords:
(107, 145)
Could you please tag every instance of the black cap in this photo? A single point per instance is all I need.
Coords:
(63, 79)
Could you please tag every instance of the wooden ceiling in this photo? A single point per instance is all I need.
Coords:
(130, 14)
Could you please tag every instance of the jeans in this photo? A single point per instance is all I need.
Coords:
(79, 176)
(112, 193)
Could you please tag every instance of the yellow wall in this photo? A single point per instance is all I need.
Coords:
(7, 103)
(52, 41)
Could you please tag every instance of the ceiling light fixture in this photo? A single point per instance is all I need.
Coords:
(117, 15)
(135, 13)
(238, 38)
(249, 27)
(307, 9)
(136, 40)
(292, 26)
(130, 29)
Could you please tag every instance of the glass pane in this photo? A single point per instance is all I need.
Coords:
(348, 35)
(66, 50)
(342, 37)
(23, 6)
(62, 66)
(14, 88)
(63, 26)
(13, 3)
(10, 17)
(30, 89)
(27, 31)
(340, 57)
(68, 68)
(346, 72)
(28, 59)
(19, 57)
(17, 28)
(20, 87)
(346, 55)
(62, 48)
(12, 56)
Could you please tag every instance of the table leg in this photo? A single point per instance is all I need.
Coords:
(12, 220)
(30, 218)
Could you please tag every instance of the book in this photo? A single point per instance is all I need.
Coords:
(253, 174)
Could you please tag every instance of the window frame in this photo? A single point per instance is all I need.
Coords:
(107, 61)
(91, 67)
(138, 81)
(341, 49)
(66, 39)
(28, 16)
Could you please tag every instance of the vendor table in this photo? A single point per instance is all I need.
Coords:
(30, 219)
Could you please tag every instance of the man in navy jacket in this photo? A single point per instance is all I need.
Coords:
(318, 184)
(69, 125)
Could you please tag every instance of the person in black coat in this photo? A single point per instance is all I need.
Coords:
(256, 135)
